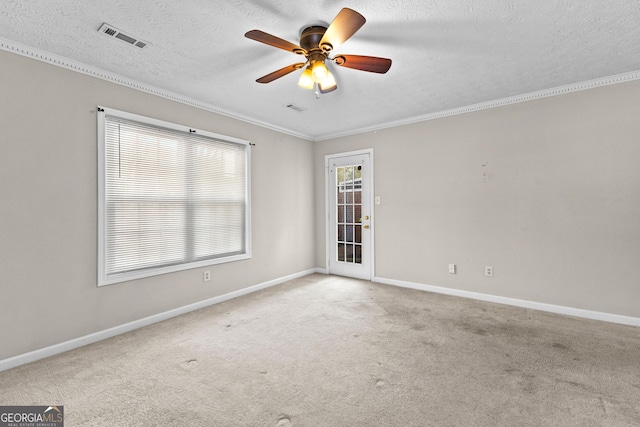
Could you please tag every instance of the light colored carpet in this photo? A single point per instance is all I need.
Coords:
(330, 351)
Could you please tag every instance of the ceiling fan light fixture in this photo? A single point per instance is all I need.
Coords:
(306, 79)
(319, 71)
(328, 83)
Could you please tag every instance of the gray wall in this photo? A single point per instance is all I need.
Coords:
(547, 192)
(48, 208)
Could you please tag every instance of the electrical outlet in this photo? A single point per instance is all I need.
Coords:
(452, 268)
(206, 276)
(488, 271)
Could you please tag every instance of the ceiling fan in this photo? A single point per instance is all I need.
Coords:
(316, 44)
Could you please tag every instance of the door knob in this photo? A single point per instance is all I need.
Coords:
(366, 226)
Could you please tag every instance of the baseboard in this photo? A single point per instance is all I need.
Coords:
(62, 347)
(558, 309)
(52, 350)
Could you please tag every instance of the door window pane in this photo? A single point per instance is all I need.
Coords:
(349, 213)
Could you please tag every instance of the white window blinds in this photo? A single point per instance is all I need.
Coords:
(172, 198)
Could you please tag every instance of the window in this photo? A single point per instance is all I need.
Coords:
(170, 197)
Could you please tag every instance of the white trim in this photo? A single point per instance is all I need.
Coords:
(32, 356)
(551, 308)
(63, 62)
(60, 61)
(62, 347)
(545, 93)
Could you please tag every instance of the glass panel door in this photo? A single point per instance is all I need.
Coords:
(349, 216)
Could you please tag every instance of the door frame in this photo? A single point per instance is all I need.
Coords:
(327, 193)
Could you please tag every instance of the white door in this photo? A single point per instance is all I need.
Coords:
(350, 219)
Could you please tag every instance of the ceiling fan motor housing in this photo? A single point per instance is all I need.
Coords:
(311, 36)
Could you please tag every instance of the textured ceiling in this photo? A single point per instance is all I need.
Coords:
(446, 53)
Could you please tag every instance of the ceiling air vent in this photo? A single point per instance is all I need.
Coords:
(295, 108)
(112, 31)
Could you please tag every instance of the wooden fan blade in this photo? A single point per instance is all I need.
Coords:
(344, 25)
(365, 63)
(266, 38)
(281, 72)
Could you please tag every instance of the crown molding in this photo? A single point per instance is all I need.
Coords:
(546, 93)
(60, 61)
(67, 63)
